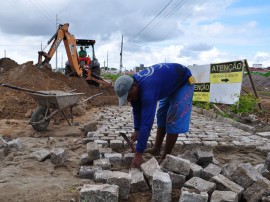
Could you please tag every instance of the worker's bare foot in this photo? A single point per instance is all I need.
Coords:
(153, 151)
(161, 159)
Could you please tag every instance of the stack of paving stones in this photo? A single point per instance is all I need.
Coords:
(207, 129)
(196, 172)
(205, 180)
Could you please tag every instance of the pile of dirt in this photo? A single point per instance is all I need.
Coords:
(262, 83)
(15, 104)
(6, 63)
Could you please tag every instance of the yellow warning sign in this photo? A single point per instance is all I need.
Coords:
(201, 92)
(229, 72)
(201, 97)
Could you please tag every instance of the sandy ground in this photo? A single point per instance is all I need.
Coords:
(23, 178)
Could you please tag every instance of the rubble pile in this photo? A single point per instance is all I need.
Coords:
(195, 172)
(262, 83)
(14, 104)
(205, 180)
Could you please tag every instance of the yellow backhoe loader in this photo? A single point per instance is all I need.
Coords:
(86, 67)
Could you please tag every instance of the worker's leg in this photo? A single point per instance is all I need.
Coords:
(170, 142)
(164, 105)
(155, 150)
(178, 117)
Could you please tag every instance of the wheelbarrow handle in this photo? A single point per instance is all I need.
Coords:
(24, 89)
(90, 98)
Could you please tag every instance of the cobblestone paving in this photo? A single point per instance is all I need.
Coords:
(204, 131)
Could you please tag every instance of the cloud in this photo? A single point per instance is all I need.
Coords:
(262, 57)
(193, 50)
(187, 32)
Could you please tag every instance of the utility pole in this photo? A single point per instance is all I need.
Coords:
(5, 53)
(57, 47)
(62, 62)
(107, 60)
(105, 66)
(121, 54)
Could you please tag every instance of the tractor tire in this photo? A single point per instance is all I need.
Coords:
(94, 83)
(68, 70)
(96, 71)
(38, 115)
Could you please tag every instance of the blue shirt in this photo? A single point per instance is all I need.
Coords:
(155, 83)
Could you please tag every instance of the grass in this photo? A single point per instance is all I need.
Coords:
(246, 105)
(112, 77)
(264, 93)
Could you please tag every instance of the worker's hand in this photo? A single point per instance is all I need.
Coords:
(134, 136)
(137, 161)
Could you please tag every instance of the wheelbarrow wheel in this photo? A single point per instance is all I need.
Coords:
(37, 116)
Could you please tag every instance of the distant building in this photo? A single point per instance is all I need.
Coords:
(262, 70)
(129, 72)
(140, 68)
(257, 65)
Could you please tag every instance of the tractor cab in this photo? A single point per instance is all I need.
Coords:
(87, 61)
(86, 51)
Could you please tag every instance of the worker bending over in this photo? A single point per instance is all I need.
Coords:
(171, 85)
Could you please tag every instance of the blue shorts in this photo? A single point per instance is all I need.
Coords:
(174, 111)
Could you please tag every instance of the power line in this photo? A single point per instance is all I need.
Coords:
(170, 13)
(187, 17)
(21, 45)
(153, 19)
(175, 7)
(41, 11)
(44, 6)
(45, 11)
(19, 8)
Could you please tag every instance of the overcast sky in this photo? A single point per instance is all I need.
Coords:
(183, 31)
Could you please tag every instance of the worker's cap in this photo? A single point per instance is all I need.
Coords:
(122, 86)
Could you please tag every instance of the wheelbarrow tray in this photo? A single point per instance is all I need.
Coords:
(55, 99)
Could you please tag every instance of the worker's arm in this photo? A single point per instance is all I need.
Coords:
(147, 119)
(136, 109)
(149, 103)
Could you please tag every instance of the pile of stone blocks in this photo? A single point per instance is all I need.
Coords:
(7, 145)
(96, 165)
(58, 156)
(198, 175)
(209, 181)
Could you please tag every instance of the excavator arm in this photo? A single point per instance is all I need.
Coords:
(69, 40)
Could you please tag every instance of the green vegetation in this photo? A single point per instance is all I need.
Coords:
(112, 77)
(264, 93)
(204, 105)
(246, 104)
(72, 189)
(259, 73)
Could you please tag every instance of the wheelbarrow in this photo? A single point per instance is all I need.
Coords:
(50, 103)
